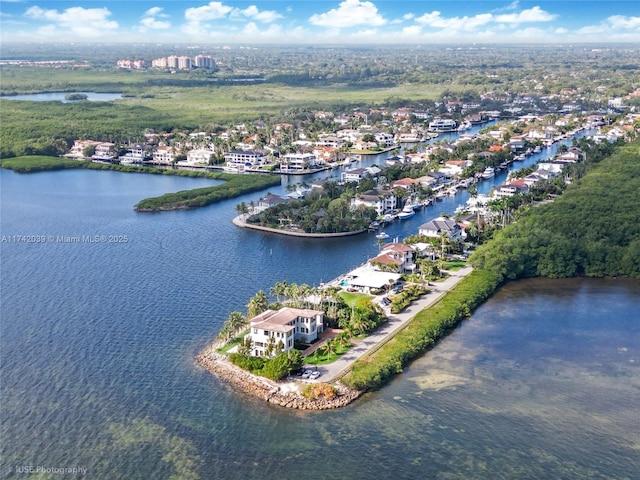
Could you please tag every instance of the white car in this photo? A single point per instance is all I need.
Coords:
(314, 375)
(307, 374)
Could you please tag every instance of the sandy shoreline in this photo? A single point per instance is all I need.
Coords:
(285, 394)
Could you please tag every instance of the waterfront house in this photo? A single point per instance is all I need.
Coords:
(281, 328)
(516, 143)
(440, 225)
(80, 147)
(380, 200)
(358, 174)
(455, 167)
(297, 162)
(367, 278)
(269, 201)
(394, 256)
(511, 188)
(406, 183)
(239, 160)
(104, 152)
(199, 156)
(164, 155)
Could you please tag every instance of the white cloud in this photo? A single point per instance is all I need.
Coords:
(218, 11)
(436, 20)
(265, 16)
(535, 14)
(82, 22)
(350, 13)
(621, 21)
(151, 20)
(155, 12)
(212, 11)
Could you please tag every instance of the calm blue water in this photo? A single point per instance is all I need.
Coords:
(97, 344)
(60, 97)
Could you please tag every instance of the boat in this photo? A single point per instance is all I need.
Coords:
(489, 172)
(443, 125)
(382, 235)
(407, 211)
(464, 126)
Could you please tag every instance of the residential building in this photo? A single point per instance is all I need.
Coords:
(200, 156)
(358, 174)
(238, 160)
(396, 255)
(441, 225)
(297, 162)
(380, 200)
(164, 155)
(281, 328)
(104, 152)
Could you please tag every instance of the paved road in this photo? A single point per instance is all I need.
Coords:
(395, 323)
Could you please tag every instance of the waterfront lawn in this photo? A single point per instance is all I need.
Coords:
(320, 358)
(232, 343)
(354, 299)
(455, 265)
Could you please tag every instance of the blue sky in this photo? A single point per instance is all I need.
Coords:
(320, 21)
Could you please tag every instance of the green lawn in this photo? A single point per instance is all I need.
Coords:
(319, 358)
(354, 299)
(454, 265)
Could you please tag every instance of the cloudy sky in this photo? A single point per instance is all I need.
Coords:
(321, 21)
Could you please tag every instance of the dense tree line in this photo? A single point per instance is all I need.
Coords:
(592, 229)
(328, 211)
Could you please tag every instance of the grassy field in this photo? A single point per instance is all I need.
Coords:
(355, 299)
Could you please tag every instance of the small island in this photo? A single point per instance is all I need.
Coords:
(75, 97)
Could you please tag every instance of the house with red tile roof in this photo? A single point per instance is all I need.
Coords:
(281, 328)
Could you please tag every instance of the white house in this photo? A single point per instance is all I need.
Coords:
(358, 174)
(104, 151)
(164, 155)
(238, 160)
(281, 328)
(380, 200)
(199, 156)
(296, 162)
(396, 254)
(441, 225)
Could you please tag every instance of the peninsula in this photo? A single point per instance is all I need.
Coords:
(541, 235)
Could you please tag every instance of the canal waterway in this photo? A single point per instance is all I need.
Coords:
(98, 339)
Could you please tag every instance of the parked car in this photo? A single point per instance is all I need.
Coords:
(314, 375)
(307, 373)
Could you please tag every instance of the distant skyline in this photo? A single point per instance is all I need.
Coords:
(320, 22)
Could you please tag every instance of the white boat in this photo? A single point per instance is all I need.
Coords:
(442, 125)
(407, 211)
(489, 172)
(382, 235)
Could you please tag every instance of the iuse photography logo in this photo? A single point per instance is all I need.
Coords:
(40, 469)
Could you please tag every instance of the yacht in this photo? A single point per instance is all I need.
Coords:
(407, 211)
(489, 172)
(442, 125)
(382, 235)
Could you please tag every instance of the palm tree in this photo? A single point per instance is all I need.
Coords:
(236, 322)
(329, 348)
(257, 304)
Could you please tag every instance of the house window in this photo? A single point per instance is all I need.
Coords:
(255, 330)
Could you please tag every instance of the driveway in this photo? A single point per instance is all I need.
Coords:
(395, 322)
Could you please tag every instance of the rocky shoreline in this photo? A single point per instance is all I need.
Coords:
(272, 392)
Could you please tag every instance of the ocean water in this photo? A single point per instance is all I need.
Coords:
(97, 346)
